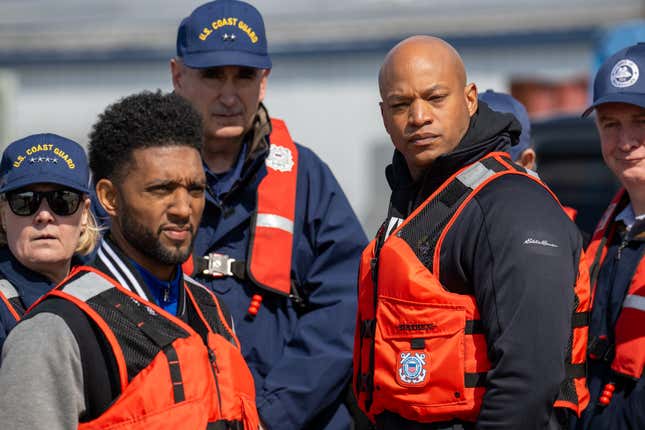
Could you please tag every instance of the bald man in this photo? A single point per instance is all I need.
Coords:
(470, 292)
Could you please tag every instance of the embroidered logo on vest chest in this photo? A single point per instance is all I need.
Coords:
(280, 158)
(412, 369)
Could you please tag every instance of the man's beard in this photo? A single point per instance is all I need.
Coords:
(146, 242)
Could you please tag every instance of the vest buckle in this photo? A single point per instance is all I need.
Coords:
(218, 265)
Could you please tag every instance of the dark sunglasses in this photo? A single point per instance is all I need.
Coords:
(61, 202)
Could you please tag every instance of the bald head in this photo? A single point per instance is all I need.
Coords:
(421, 48)
(426, 102)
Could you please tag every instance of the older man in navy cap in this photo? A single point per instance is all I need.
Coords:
(617, 327)
(278, 240)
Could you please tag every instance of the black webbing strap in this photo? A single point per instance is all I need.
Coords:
(18, 306)
(474, 327)
(367, 328)
(475, 379)
(595, 266)
(175, 373)
(580, 319)
(225, 425)
(574, 371)
(497, 167)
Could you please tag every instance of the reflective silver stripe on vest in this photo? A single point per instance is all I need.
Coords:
(634, 302)
(87, 286)
(274, 221)
(473, 176)
(7, 289)
(533, 173)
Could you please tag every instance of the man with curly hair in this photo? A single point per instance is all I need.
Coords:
(278, 241)
(130, 342)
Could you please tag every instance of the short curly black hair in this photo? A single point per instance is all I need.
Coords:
(142, 120)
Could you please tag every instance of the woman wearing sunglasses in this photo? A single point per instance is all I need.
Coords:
(45, 220)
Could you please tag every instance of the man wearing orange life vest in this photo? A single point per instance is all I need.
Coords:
(473, 297)
(131, 343)
(278, 240)
(617, 326)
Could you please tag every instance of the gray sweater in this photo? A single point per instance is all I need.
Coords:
(41, 377)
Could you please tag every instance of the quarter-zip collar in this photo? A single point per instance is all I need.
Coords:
(488, 131)
(111, 260)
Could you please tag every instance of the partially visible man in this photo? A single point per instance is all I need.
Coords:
(281, 240)
(473, 296)
(617, 249)
(522, 153)
(131, 343)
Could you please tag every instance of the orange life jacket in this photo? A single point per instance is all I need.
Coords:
(420, 351)
(170, 376)
(629, 333)
(11, 299)
(268, 263)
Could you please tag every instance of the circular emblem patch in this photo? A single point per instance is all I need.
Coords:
(280, 158)
(624, 74)
(412, 369)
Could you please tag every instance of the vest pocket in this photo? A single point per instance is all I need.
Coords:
(420, 352)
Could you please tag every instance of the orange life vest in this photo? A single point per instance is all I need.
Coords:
(629, 333)
(170, 376)
(268, 263)
(420, 351)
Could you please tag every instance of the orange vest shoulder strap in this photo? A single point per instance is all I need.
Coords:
(438, 212)
(629, 358)
(270, 250)
(11, 299)
(209, 310)
(597, 248)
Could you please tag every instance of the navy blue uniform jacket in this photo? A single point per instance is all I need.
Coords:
(29, 284)
(300, 358)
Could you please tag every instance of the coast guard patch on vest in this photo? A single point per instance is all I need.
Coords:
(412, 369)
(280, 158)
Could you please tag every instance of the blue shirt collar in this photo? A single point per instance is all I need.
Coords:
(628, 217)
(166, 293)
(220, 183)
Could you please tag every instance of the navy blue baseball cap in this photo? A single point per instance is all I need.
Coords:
(620, 79)
(506, 103)
(223, 33)
(44, 159)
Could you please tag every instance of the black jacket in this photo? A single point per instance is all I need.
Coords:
(523, 288)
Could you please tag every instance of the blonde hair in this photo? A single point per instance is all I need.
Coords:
(90, 236)
(87, 241)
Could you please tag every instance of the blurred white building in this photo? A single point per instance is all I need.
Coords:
(63, 62)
